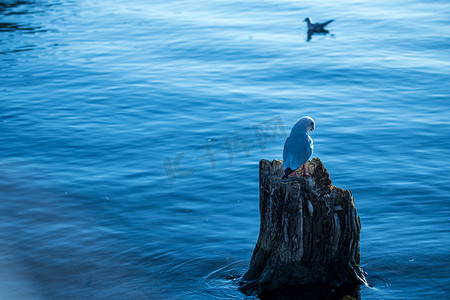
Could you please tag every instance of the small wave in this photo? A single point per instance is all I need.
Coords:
(223, 282)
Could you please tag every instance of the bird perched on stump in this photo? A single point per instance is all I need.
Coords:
(298, 147)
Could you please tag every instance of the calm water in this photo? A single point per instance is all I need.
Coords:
(130, 136)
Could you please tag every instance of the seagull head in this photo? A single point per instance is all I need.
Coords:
(310, 125)
(304, 125)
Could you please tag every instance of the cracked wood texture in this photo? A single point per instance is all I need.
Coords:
(309, 232)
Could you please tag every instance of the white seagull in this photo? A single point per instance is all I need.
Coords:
(316, 27)
(298, 147)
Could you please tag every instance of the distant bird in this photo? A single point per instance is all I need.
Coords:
(316, 27)
(298, 147)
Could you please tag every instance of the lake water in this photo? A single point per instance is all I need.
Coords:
(131, 132)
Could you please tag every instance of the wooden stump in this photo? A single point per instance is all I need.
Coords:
(309, 232)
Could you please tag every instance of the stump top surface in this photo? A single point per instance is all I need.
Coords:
(317, 171)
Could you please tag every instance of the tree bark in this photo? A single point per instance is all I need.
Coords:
(309, 232)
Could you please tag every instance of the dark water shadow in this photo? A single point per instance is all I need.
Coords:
(11, 28)
(7, 6)
(224, 282)
(21, 49)
(10, 8)
(313, 292)
(27, 28)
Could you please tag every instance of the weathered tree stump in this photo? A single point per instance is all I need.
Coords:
(309, 232)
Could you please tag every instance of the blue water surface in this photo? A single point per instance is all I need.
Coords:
(131, 132)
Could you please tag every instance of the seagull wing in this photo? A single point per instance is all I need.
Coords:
(297, 151)
(320, 27)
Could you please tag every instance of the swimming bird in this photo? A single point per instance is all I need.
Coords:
(316, 27)
(298, 147)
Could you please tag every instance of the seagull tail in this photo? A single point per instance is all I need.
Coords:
(327, 22)
(287, 172)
